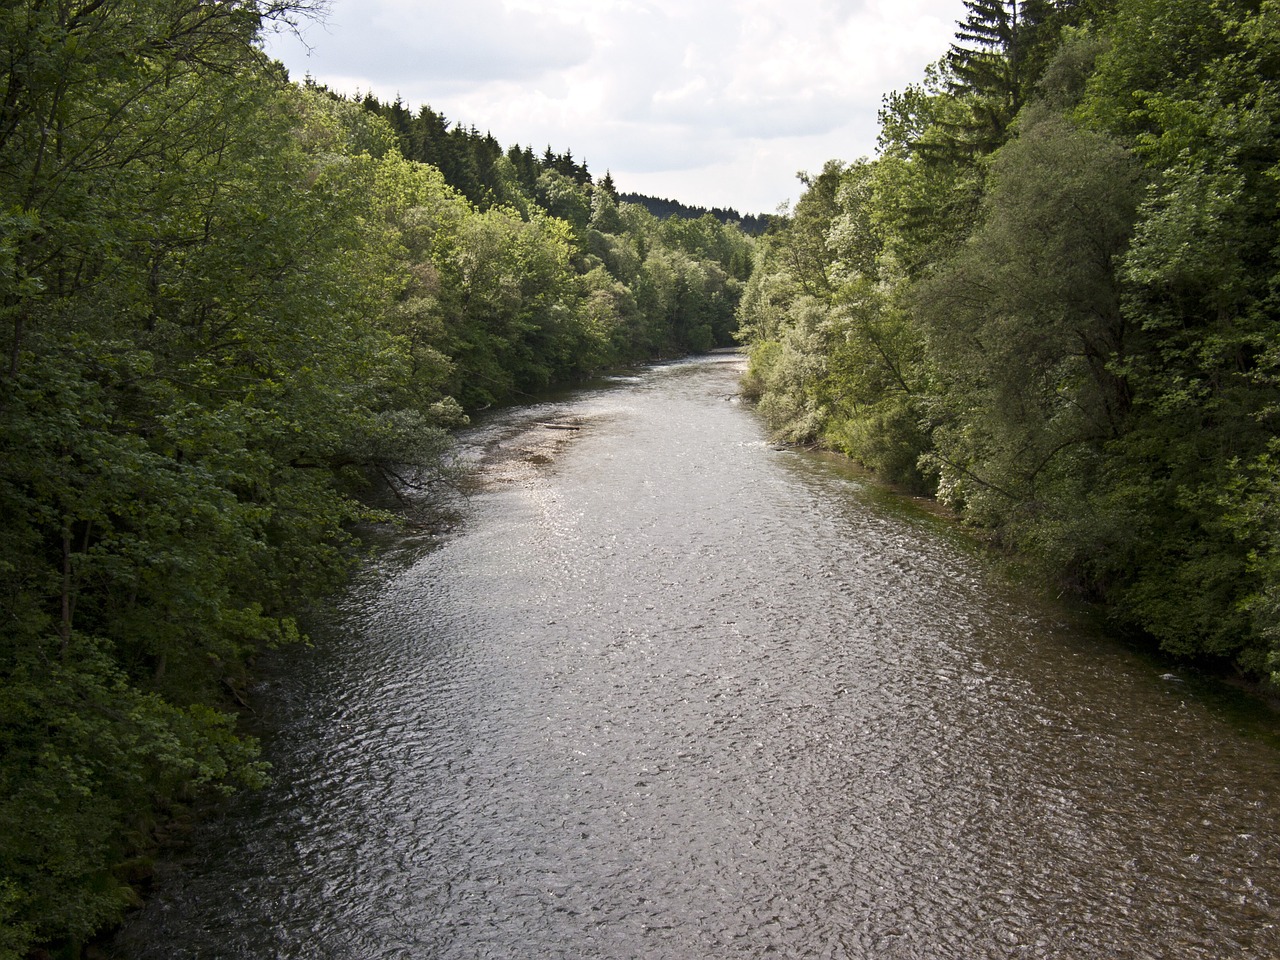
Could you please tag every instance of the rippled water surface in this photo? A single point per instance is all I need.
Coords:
(670, 692)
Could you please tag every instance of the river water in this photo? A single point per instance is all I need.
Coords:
(670, 692)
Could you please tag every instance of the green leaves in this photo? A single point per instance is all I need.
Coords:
(1070, 332)
(202, 372)
(1026, 318)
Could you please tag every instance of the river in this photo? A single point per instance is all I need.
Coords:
(670, 692)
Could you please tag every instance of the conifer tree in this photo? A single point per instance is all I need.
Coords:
(996, 58)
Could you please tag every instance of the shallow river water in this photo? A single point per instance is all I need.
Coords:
(670, 692)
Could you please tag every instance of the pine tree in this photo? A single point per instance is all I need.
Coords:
(998, 55)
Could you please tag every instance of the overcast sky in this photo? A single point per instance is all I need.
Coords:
(709, 102)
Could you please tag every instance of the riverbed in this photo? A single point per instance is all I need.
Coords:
(671, 691)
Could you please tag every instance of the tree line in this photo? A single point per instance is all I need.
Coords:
(752, 224)
(1050, 301)
(229, 305)
(470, 163)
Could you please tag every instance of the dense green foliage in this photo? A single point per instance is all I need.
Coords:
(541, 275)
(229, 303)
(752, 224)
(1051, 301)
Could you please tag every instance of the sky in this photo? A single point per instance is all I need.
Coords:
(714, 103)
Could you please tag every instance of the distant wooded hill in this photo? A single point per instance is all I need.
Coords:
(470, 162)
(755, 224)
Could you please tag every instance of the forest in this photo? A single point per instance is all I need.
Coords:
(471, 162)
(233, 309)
(1050, 301)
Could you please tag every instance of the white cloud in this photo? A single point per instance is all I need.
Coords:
(706, 102)
(393, 41)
